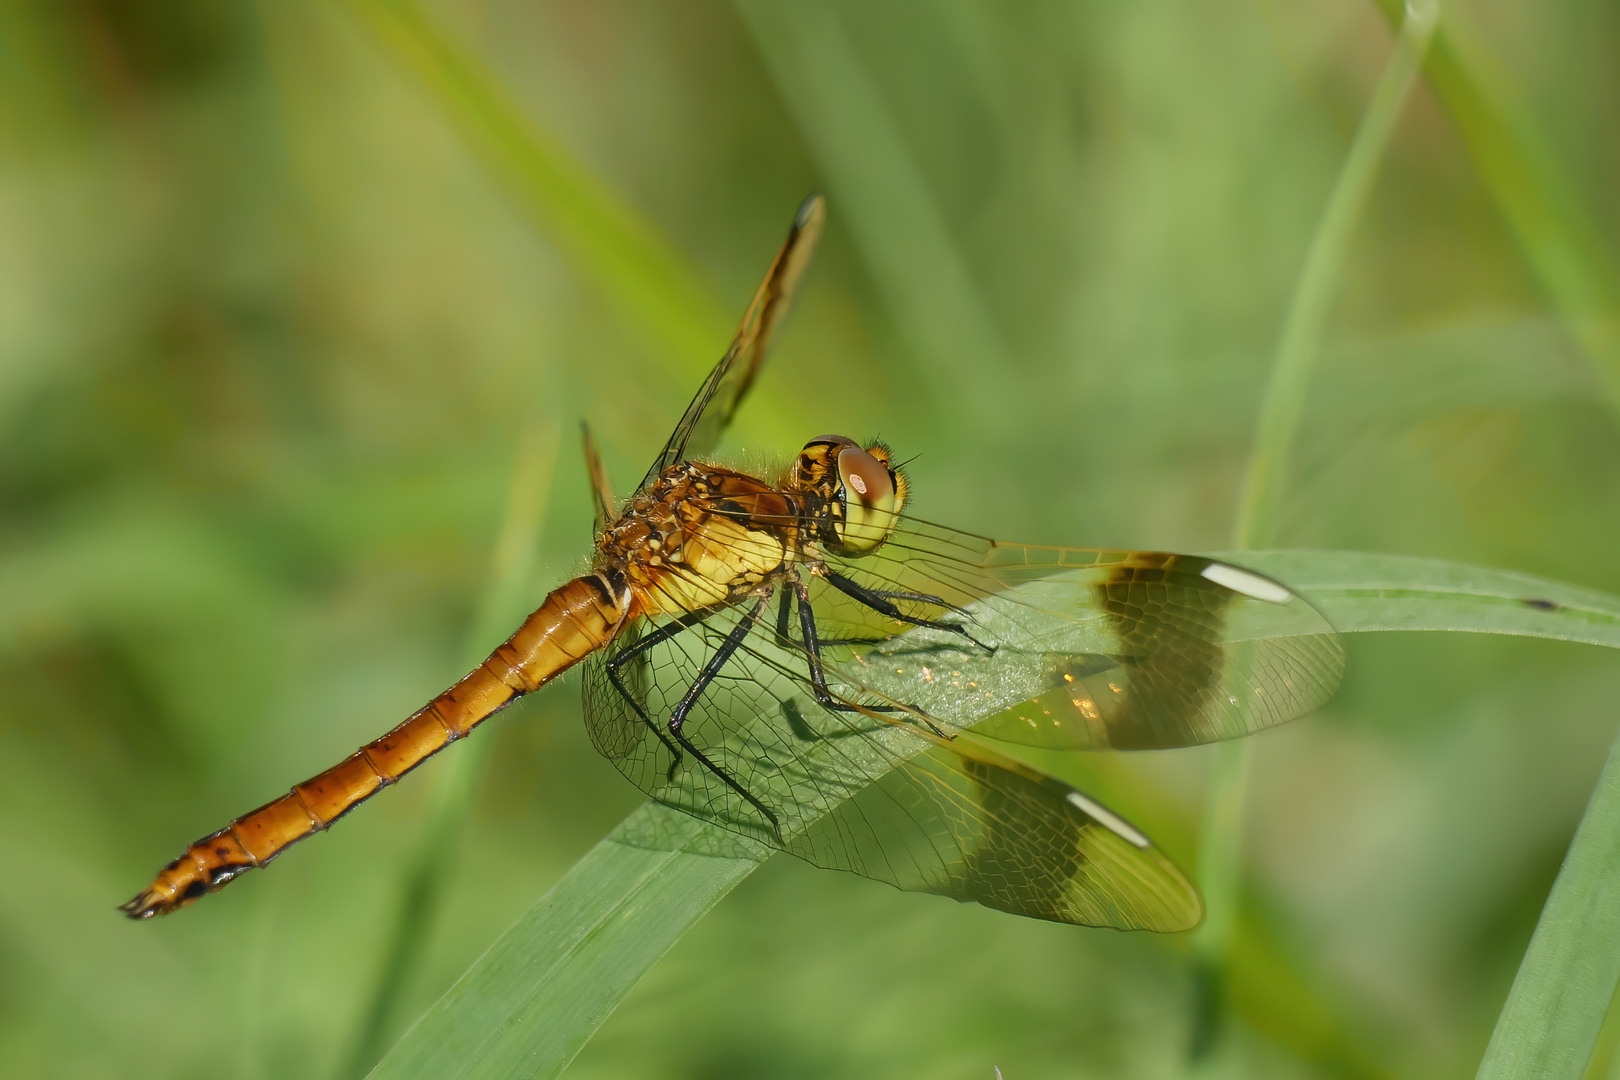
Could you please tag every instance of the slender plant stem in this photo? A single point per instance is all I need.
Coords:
(1298, 346)
(422, 892)
(1318, 285)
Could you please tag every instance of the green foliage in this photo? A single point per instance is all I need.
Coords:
(284, 285)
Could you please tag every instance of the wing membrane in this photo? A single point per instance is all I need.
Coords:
(1089, 649)
(1077, 648)
(963, 821)
(601, 487)
(880, 795)
(709, 413)
(891, 769)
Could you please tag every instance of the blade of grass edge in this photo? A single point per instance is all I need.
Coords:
(1220, 848)
(1363, 592)
(456, 784)
(1555, 1009)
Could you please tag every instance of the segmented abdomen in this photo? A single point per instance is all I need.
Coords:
(574, 621)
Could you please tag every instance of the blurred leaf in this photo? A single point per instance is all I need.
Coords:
(1558, 235)
(632, 266)
(874, 180)
(1266, 476)
(421, 893)
(533, 1000)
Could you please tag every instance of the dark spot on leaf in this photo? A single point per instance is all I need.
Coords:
(1541, 605)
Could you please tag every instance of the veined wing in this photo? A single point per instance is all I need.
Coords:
(700, 426)
(880, 795)
(601, 488)
(1076, 648)
(1090, 649)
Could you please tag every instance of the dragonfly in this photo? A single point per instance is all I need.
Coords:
(800, 661)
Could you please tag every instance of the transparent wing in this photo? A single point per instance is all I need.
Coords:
(700, 427)
(880, 795)
(601, 487)
(1076, 648)
(1085, 649)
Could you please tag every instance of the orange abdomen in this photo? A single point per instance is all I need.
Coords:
(569, 625)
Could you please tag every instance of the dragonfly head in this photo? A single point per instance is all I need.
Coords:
(859, 493)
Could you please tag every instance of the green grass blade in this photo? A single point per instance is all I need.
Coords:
(1365, 593)
(1558, 235)
(1568, 976)
(1565, 982)
(610, 245)
(528, 1005)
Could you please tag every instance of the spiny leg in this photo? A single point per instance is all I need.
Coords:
(882, 602)
(677, 718)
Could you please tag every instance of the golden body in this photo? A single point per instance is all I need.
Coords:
(700, 536)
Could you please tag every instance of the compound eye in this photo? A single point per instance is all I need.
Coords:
(870, 501)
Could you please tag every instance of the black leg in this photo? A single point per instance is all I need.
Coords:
(677, 718)
(704, 677)
(782, 611)
(883, 603)
(812, 653)
(818, 675)
(899, 594)
(785, 641)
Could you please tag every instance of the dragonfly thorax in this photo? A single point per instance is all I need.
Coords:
(702, 535)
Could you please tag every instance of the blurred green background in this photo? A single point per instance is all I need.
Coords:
(275, 334)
